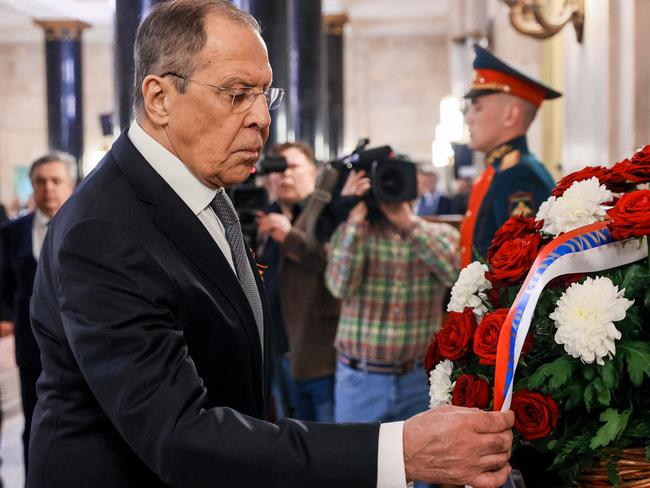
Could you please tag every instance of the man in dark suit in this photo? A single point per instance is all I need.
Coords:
(430, 199)
(155, 359)
(53, 177)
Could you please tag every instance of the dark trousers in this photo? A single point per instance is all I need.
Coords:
(28, 377)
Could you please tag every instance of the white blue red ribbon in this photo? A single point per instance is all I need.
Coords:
(587, 249)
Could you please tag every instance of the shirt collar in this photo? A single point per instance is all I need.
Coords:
(195, 194)
(40, 218)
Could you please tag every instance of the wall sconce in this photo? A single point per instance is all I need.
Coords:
(535, 18)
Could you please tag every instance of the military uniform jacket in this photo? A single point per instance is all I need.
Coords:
(519, 186)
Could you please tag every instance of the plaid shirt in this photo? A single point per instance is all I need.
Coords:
(391, 286)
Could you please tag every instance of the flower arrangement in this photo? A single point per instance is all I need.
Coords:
(582, 383)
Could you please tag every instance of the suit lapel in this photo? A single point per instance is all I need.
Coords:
(185, 230)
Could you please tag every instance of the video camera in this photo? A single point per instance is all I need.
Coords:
(249, 199)
(392, 178)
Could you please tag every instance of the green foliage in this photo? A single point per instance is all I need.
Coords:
(552, 375)
(615, 424)
(609, 375)
(637, 356)
(637, 277)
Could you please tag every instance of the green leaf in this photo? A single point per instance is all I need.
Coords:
(574, 393)
(637, 278)
(603, 395)
(612, 474)
(589, 372)
(589, 393)
(646, 299)
(556, 373)
(615, 424)
(637, 356)
(609, 375)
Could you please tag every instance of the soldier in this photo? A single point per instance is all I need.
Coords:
(504, 103)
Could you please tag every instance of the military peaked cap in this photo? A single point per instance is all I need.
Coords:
(491, 75)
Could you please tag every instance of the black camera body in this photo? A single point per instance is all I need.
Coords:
(250, 199)
(392, 179)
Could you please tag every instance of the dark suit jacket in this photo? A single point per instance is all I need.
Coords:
(425, 208)
(152, 370)
(17, 270)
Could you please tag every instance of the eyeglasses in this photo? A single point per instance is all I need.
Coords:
(242, 99)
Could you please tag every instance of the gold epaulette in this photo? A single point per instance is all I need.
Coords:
(497, 153)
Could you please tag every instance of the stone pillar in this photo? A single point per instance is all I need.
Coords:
(334, 53)
(305, 73)
(272, 16)
(64, 90)
(128, 14)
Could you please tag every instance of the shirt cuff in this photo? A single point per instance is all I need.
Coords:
(390, 456)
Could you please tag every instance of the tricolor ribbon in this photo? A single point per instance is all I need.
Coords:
(587, 249)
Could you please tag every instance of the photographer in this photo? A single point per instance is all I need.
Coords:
(308, 310)
(389, 268)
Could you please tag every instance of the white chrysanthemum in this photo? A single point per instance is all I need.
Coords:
(579, 206)
(468, 289)
(585, 317)
(441, 385)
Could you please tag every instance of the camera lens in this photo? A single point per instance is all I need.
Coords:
(392, 182)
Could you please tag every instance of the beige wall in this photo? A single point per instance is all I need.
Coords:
(394, 81)
(23, 118)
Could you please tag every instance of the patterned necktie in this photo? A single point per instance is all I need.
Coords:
(224, 209)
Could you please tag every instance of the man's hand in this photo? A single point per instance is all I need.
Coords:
(458, 446)
(356, 185)
(275, 225)
(400, 214)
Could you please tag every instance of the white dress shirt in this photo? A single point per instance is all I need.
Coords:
(39, 229)
(197, 196)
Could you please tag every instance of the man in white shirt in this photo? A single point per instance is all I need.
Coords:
(53, 177)
(155, 344)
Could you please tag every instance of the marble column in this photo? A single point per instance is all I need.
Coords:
(305, 90)
(128, 14)
(64, 90)
(272, 16)
(333, 25)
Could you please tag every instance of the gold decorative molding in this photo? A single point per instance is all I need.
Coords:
(532, 18)
(62, 30)
(333, 24)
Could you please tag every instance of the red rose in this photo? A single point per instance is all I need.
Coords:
(513, 259)
(512, 228)
(493, 297)
(564, 281)
(471, 391)
(565, 183)
(631, 215)
(432, 356)
(636, 170)
(456, 334)
(486, 336)
(535, 414)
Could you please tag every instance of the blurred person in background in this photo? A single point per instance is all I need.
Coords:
(53, 178)
(307, 309)
(461, 195)
(389, 268)
(504, 103)
(430, 199)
